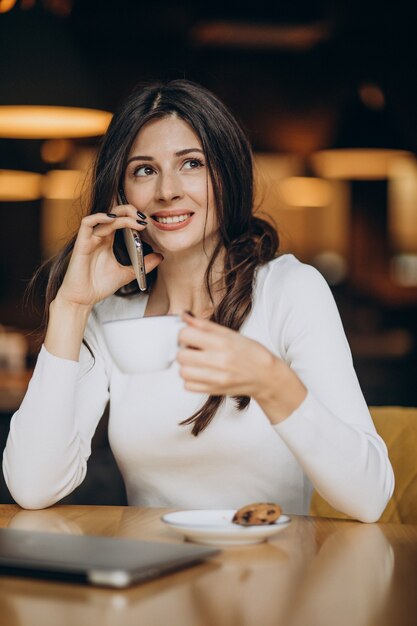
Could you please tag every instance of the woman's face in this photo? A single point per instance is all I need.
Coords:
(167, 178)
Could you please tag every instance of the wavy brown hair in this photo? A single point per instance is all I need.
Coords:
(245, 241)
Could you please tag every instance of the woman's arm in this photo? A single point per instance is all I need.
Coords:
(310, 393)
(50, 435)
(49, 442)
(331, 433)
(93, 274)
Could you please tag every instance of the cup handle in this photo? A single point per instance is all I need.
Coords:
(176, 344)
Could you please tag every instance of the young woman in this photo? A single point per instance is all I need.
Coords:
(262, 402)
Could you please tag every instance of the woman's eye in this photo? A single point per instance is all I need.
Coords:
(192, 164)
(143, 170)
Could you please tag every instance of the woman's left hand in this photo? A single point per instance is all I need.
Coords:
(219, 361)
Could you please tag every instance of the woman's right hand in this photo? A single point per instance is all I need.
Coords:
(93, 272)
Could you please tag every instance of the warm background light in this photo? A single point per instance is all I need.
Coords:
(63, 184)
(403, 269)
(305, 191)
(56, 150)
(312, 215)
(402, 204)
(16, 185)
(269, 170)
(65, 193)
(355, 163)
(47, 122)
(372, 96)
(240, 34)
(6, 5)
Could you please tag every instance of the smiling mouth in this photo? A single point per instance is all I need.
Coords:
(174, 219)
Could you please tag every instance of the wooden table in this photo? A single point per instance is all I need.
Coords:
(316, 572)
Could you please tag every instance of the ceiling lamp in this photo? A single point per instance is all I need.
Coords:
(16, 186)
(6, 5)
(250, 35)
(51, 122)
(355, 163)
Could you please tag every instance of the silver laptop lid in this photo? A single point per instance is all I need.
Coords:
(115, 562)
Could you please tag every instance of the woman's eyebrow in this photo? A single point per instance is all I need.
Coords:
(186, 150)
(150, 158)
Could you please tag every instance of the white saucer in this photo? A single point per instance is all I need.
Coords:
(215, 527)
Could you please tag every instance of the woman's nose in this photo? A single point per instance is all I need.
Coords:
(169, 187)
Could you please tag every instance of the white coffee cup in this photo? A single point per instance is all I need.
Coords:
(145, 344)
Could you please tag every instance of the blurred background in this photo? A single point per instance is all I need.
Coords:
(327, 92)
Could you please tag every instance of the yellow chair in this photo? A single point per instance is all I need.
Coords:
(398, 428)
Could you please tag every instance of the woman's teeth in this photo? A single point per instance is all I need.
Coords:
(172, 220)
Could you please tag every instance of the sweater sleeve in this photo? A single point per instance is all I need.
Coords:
(49, 442)
(331, 433)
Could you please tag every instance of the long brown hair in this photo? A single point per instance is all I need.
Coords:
(245, 241)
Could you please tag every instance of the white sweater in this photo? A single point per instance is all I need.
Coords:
(329, 442)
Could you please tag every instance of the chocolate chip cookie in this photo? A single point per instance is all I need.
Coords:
(259, 513)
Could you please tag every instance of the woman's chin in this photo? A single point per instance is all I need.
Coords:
(173, 247)
(176, 247)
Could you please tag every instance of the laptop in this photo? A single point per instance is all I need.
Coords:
(104, 561)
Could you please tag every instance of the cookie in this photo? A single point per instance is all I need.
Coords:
(257, 514)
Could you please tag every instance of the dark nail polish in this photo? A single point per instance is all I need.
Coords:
(190, 313)
(142, 215)
(142, 222)
(111, 215)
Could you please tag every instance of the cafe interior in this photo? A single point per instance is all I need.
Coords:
(327, 93)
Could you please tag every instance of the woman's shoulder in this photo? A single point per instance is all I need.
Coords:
(289, 284)
(286, 271)
(296, 294)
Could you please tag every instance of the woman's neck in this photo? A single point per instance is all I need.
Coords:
(180, 285)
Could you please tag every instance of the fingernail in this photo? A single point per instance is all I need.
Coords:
(111, 215)
(142, 215)
(190, 313)
(142, 222)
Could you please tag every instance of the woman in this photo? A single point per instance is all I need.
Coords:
(263, 377)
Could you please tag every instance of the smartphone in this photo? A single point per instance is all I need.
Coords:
(134, 248)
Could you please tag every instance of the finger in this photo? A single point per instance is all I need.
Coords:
(89, 222)
(95, 219)
(203, 375)
(200, 358)
(199, 388)
(113, 224)
(200, 339)
(128, 275)
(152, 260)
(88, 226)
(122, 210)
(212, 389)
(203, 324)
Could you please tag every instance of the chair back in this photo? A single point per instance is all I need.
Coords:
(398, 428)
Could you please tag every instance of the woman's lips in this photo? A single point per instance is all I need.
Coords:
(173, 225)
